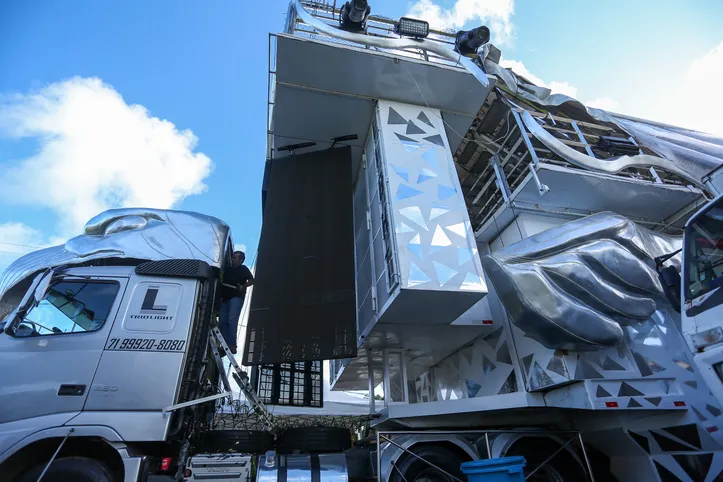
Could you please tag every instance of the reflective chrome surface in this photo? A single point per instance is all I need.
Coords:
(687, 153)
(573, 286)
(606, 165)
(388, 43)
(137, 233)
(332, 468)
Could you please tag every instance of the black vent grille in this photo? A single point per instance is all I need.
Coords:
(177, 268)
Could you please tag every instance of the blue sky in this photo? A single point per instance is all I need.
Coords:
(164, 103)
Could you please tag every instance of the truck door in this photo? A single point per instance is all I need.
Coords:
(49, 362)
(142, 365)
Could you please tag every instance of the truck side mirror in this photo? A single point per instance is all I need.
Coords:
(670, 279)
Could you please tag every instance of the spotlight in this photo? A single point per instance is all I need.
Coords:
(354, 15)
(467, 42)
(411, 27)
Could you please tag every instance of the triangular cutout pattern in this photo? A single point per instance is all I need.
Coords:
(627, 390)
(602, 393)
(715, 411)
(669, 445)
(437, 212)
(416, 249)
(687, 433)
(395, 118)
(526, 363)
(463, 255)
(654, 400)
(416, 275)
(487, 365)
(557, 365)
(444, 273)
(440, 239)
(634, 403)
(423, 117)
(413, 128)
(610, 364)
(459, 229)
(503, 354)
(435, 139)
(430, 157)
(404, 138)
(585, 371)
(492, 338)
(445, 192)
(695, 465)
(405, 192)
(472, 388)
(414, 214)
(665, 474)
(425, 175)
(510, 385)
(403, 228)
(701, 417)
(471, 282)
(402, 172)
(641, 440)
(540, 378)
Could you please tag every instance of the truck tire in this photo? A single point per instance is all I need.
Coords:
(239, 441)
(77, 469)
(313, 440)
(410, 469)
(562, 468)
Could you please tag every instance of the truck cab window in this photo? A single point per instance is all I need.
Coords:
(704, 246)
(70, 307)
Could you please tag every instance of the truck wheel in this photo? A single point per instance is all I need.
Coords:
(77, 469)
(313, 440)
(239, 441)
(410, 469)
(562, 468)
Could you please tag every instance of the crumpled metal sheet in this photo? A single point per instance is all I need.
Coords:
(572, 287)
(135, 233)
(612, 165)
(694, 154)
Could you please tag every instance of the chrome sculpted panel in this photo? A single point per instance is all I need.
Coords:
(136, 233)
(574, 287)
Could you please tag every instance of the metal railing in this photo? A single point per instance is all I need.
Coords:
(377, 26)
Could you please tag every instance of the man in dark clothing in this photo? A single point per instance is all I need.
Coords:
(235, 281)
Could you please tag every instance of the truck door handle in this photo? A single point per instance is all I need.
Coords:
(71, 390)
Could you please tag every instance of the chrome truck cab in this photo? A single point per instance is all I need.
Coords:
(95, 355)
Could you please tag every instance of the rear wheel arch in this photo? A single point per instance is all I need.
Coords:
(41, 451)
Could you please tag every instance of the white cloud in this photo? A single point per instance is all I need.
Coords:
(496, 14)
(697, 103)
(95, 152)
(605, 103)
(17, 239)
(239, 247)
(556, 86)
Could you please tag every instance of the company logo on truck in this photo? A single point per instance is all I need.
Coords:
(150, 310)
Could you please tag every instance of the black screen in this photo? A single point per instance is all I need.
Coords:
(303, 305)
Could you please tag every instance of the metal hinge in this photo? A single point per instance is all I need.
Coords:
(369, 220)
(374, 299)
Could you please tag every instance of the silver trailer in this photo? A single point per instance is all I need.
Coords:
(504, 245)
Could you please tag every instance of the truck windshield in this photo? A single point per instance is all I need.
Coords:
(704, 252)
